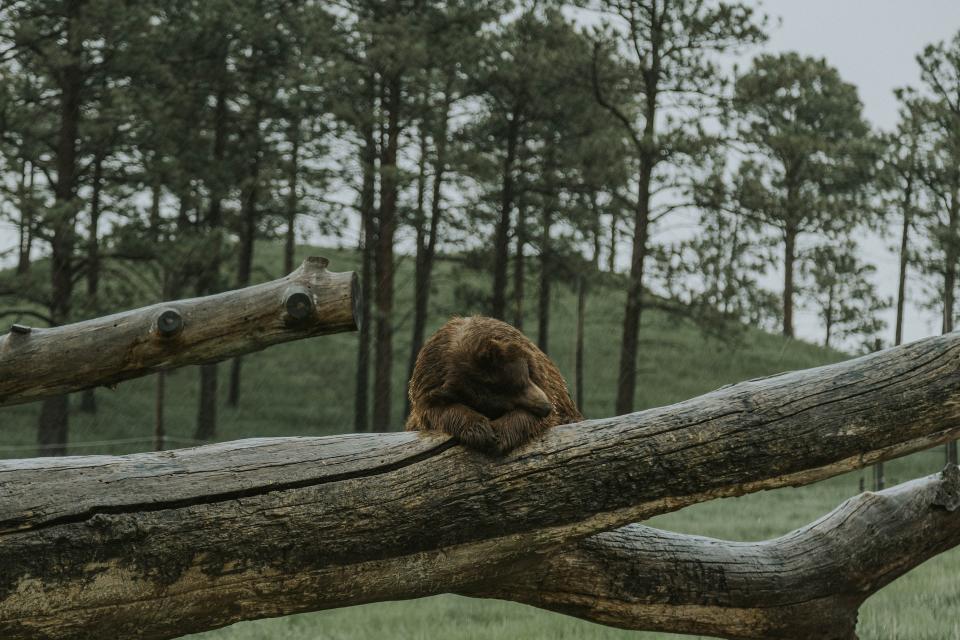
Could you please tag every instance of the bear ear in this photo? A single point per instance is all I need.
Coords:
(512, 351)
(495, 352)
(491, 352)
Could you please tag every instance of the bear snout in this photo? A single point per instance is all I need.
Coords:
(536, 402)
(542, 410)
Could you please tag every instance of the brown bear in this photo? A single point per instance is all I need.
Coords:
(485, 383)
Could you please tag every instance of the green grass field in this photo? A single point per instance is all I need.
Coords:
(306, 388)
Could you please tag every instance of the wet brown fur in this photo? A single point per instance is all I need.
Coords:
(483, 381)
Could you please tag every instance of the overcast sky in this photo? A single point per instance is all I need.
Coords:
(873, 44)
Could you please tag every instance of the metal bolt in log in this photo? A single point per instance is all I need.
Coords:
(169, 323)
(20, 329)
(298, 303)
(105, 351)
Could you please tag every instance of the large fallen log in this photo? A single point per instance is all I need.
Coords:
(311, 301)
(161, 544)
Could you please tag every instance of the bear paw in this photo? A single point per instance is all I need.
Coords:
(480, 434)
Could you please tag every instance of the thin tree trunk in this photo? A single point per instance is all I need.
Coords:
(737, 241)
(425, 265)
(581, 313)
(627, 374)
(156, 192)
(949, 286)
(648, 155)
(248, 234)
(368, 162)
(612, 257)
(54, 412)
(949, 282)
(904, 247)
(546, 277)
(233, 394)
(383, 267)
(159, 428)
(595, 230)
(421, 283)
(789, 259)
(88, 399)
(879, 481)
(183, 212)
(519, 263)
(54, 423)
(828, 320)
(501, 236)
(26, 217)
(289, 246)
(950, 276)
(210, 277)
(361, 420)
(22, 263)
(207, 408)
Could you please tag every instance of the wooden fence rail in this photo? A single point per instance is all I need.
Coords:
(311, 301)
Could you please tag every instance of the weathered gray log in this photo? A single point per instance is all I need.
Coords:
(163, 544)
(311, 301)
(807, 584)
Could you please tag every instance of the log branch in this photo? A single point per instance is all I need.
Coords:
(161, 544)
(807, 584)
(309, 302)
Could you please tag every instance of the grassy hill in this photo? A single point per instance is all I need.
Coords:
(306, 388)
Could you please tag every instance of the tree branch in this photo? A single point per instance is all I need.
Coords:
(809, 583)
(603, 102)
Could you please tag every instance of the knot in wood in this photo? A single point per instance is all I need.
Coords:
(316, 262)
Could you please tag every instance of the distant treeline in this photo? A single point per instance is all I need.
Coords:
(163, 138)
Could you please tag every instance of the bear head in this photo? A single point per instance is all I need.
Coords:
(495, 380)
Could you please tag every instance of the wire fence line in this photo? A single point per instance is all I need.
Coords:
(105, 443)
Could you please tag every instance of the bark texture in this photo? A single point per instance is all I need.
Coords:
(157, 545)
(127, 345)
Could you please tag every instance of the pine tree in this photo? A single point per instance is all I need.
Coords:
(839, 287)
(811, 155)
(651, 54)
